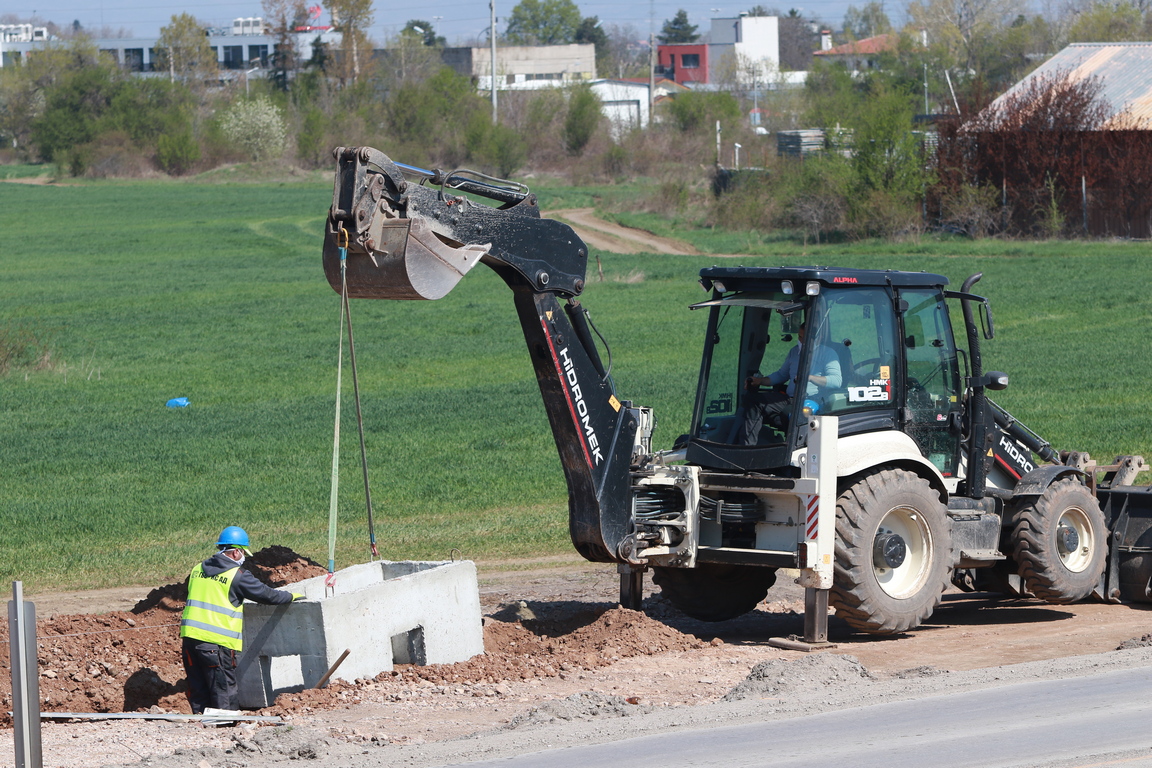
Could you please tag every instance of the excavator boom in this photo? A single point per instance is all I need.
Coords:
(416, 239)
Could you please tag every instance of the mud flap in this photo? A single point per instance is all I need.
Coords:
(406, 260)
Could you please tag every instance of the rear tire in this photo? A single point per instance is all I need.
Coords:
(878, 595)
(715, 592)
(1060, 541)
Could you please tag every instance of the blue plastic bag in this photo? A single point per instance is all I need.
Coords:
(178, 402)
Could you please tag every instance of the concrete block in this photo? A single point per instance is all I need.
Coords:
(383, 613)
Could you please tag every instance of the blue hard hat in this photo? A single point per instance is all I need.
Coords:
(233, 536)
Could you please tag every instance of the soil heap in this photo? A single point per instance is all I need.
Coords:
(126, 661)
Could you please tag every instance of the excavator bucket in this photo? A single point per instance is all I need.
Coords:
(388, 252)
(400, 259)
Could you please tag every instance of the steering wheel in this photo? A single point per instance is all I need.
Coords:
(864, 368)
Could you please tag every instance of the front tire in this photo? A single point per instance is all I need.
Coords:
(1060, 541)
(893, 552)
(715, 592)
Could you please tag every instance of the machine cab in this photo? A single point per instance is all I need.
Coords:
(874, 348)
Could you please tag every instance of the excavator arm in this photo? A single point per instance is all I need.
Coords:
(408, 233)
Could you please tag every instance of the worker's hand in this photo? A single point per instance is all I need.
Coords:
(297, 596)
(752, 382)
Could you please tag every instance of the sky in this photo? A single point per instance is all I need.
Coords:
(456, 20)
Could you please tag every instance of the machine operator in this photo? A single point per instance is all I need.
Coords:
(775, 407)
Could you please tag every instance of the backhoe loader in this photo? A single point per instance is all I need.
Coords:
(881, 474)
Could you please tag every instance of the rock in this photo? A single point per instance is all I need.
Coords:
(524, 613)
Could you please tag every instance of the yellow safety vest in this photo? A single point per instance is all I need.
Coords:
(209, 615)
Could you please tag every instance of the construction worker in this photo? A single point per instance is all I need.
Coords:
(212, 626)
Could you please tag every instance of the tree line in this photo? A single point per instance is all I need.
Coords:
(72, 106)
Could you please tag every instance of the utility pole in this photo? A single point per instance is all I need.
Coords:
(651, 77)
(925, 87)
(651, 61)
(492, 39)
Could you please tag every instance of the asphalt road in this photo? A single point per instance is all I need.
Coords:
(1098, 720)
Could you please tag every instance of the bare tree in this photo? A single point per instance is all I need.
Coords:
(627, 56)
(960, 25)
(1037, 145)
(407, 60)
(351, 18)
(869, 21)
(1103, 22)
(183, 51)
(797, 41)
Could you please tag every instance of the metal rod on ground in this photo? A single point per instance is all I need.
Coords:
(332, 669)
(360, 425)
(149, 716)
(25, 682)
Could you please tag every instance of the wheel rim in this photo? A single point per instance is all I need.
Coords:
(907, 578)
(1078, 557)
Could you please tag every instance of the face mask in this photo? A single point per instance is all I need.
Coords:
(242, 558)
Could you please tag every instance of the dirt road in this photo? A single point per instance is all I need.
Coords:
(566, 667)
(607, 236)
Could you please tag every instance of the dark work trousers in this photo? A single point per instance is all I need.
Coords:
(765, 406)
(211, 672)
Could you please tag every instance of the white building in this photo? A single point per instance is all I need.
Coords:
(525, 67)
(750, 42)
(626, 103)
(243, 46)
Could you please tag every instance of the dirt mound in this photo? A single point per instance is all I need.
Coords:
(125, 661)
(169, 597)
(562, 643)
(278, 566)
(1137, 642)
(580, 706)
(573, 637)
(777, 677)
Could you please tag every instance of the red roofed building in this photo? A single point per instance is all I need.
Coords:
(860, 55)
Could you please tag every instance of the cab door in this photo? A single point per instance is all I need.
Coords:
(931, 378)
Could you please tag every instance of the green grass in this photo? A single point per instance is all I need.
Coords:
(23, 171)
(154, 290)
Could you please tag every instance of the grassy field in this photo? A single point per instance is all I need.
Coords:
(145, 291)
(24, 171)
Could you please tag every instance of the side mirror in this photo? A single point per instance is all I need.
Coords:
(986, 317)
(995, 380)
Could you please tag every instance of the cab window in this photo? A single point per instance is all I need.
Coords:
(860, 331)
